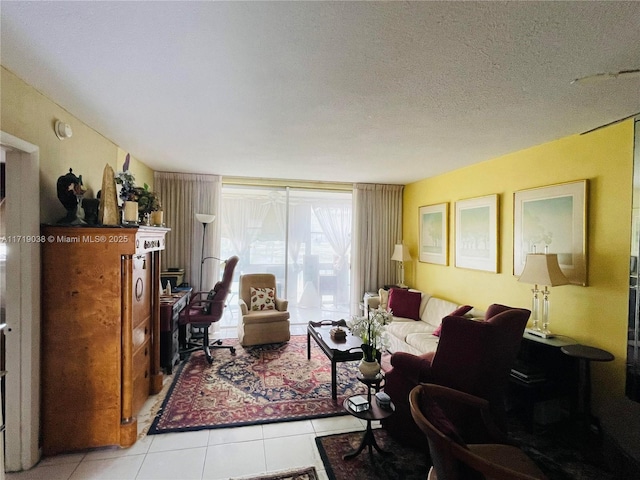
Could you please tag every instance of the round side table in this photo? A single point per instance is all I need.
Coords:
(375, 412)
(585, 355)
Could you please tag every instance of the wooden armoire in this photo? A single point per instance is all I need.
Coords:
(100, 333)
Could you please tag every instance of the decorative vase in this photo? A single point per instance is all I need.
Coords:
(130, 212)
(369, 369)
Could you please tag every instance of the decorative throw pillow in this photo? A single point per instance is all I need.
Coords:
(458, 312)
(263, 298)
(404, 303)
(384, 298)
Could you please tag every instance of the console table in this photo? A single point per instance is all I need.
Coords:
(542, 372)
(170, 308)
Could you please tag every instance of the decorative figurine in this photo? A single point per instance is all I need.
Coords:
(109, 214)
(70, 191)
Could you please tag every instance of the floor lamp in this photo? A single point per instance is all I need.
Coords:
(205, 219)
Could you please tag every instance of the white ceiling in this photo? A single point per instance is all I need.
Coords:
(386, 92)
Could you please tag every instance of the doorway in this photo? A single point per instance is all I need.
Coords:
(21, 298)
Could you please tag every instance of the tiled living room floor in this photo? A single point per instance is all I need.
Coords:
(206, 454)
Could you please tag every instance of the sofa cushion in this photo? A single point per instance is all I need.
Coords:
(458, 312)
(404, 303)
(401, 327)
(423, 342)
(436, 310)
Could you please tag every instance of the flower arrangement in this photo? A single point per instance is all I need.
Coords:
(148, 201)
(126, 179)
(371, 330)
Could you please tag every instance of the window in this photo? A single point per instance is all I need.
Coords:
(302, 236)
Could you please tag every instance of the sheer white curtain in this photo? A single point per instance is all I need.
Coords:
(335, 222)
(183, 195)
(377, 227)
(242, 222)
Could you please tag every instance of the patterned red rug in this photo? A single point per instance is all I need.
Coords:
(263, 384)
(402, 463)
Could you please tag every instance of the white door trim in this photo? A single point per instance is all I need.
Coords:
(22, 304)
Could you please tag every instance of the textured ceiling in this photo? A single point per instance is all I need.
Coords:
(386, 92)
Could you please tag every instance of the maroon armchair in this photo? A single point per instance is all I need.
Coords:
(206, 308)
(460, 453)
(472, 356)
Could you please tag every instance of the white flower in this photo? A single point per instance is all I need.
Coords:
(371, 330)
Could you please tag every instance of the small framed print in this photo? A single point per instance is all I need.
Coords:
(477, 233)
(434, 229)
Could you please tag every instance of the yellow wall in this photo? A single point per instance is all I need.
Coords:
(27, 114)
(595, 315)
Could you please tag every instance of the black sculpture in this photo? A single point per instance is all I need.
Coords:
(70, 192)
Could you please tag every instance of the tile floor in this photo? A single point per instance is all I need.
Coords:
(207, 454)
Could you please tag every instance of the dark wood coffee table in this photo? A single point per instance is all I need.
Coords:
(337, 351)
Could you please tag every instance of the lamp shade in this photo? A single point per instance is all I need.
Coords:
(543, 269)
(205, 217)
(401, 253)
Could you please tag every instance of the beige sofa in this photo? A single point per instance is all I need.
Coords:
(416, 336)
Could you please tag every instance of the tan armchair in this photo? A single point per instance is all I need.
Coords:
(266, 320)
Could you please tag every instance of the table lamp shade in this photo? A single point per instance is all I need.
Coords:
(401, 253)
(543, 269)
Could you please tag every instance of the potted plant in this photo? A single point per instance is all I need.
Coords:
(127, 194)
(148, 202)
(371, 330)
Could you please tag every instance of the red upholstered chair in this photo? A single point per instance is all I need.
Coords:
(472, 356)
(461, 453)
(206, 308)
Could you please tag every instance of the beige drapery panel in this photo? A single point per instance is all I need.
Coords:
(183, 195)
(377, 227)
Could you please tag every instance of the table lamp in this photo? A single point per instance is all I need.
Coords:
(542, 269)
(401, 254)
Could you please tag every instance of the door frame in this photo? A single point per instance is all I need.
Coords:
(22, 303)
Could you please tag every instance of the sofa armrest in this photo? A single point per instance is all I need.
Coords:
(282, 305)
(243, 307)
(415, 368)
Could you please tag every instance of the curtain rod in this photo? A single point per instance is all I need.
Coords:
(264, 182)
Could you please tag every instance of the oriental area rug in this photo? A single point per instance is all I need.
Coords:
(401, 463)
(308, 473)
(262, 384)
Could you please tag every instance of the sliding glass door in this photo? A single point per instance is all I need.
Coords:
(302, 236)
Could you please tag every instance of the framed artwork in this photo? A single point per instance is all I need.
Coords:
(434, 240)
(477, 233)
(553, 219)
